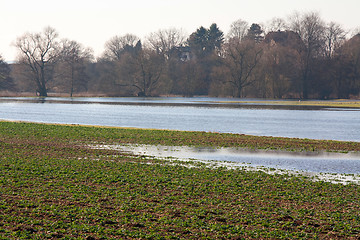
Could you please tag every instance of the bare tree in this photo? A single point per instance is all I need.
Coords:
(276, 25)
(241, 59)
(238, 29)
(117, 45)
(355, 31)
(6, 81)
(163, 41)
(141, 70)
(279, 62)
(335, 36)
(311, 29)
(73, 57)
(347, 68)
(39, 51)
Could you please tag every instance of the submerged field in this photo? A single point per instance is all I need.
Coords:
(53, 186)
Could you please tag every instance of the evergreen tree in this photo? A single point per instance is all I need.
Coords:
(204, 41)
(215, 38)
(255, 33)
(198, 41)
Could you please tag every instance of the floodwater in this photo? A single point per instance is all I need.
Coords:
(193, 114)
(333, 167)
(317, 162)
(211, 115)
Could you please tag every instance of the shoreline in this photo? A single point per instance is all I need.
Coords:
(230, 102)
(216, 139)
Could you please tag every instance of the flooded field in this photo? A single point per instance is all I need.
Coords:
(210, 115)
(335, 167)
(191, 114)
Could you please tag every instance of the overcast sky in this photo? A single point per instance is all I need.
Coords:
(93, 22)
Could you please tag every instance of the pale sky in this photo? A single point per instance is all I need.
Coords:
(93, 22)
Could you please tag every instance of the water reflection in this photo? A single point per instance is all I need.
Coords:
(333, 167)
(319, 162)
(173, 101)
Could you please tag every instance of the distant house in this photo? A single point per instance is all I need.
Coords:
(183, 53)
(284, 38)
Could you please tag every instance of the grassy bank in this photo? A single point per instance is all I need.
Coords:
(113, 135)
(53, 186)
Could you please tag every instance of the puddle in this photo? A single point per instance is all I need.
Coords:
(334, 167)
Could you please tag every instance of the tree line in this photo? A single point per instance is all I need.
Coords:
(301, 57)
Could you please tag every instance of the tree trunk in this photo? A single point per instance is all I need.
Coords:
(42, 92)
(72, 81)
(238, 94)
(42, 83)
(305, 94)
